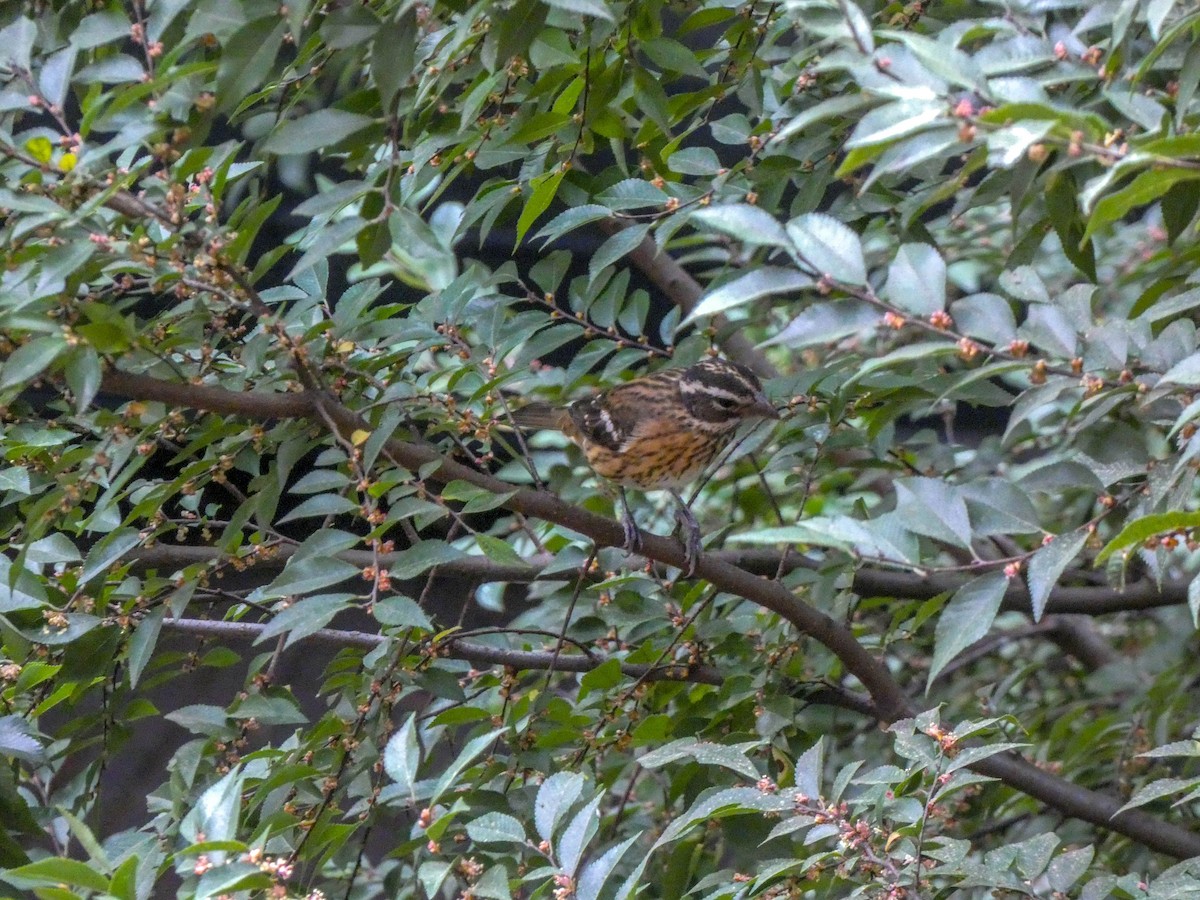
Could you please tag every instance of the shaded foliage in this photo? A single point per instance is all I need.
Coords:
(912, 220)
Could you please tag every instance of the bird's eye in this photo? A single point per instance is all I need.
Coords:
(725, 402)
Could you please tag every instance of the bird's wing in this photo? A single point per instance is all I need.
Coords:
(612, 418)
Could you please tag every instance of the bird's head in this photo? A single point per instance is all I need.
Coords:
(722, 393)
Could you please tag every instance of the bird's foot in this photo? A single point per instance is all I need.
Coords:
(690, 530)
(633, 535)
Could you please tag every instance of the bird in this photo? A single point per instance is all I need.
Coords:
(658, 432)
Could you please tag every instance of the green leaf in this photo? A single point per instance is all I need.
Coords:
(16, 479)
(917, 280)
(824, 323)
(615, 247)
(829, 247)
(706, 753)
(988, 317)
(603, 678)
(305, 617)
(20, 741)
(402, 757)
(557, 794)
(55, 75)
(1186, 372)
(201, 718)
(1142, 529)
(763, 282)
(570, 219)
(468, 755)
(87, 840)
(966, 618)
(232, 877)
(902, 156)
(327, 241)
(1068, 867)
(1048, 564)
(53, 548)
(544, 189)
(576, 836)
(108, 551)
(1144, 189)
(896, 120)
(694, 161)
(496, 828)
(143, 642)
(810, 770)
(308, 574)
(934, 508)
(719, 804)
(840, 105)
(246, 60)
(432, 874)
(539, 126)
(997, 506)
(1062, 205)
(746, 223)
(971, 755)
(321, 505)
(393, 54)
(1024, 283)
(421, 557)
(30, 360)
(499, 551)
(399, 611)
(83, 373)
(942, 59)
(56, 870)
(99, 28)
(632, 193)
(595, 8)
(1009, 145)
(1178, 207)
(513, 32)
(123, 885)
(217, 811)
(119, 69)
(1189, 748)
(1156, 790)
(596, 873)
(320, 480)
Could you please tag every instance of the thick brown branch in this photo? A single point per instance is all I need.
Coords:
(771, 595)
(889, 701)
(259, 405)
(456, 648)
(1086, 600)
(1090, 806)
(868, 581)
(683, 290)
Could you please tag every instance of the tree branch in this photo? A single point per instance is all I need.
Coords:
(1091, 600)
(889, 700)
(685, 292)
(457, 648)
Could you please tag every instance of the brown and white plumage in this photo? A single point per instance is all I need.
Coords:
(659, 431)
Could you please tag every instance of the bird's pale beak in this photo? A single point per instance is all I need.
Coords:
(763, 407)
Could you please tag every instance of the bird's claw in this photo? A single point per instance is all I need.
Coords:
(633, 535)
(691, 537)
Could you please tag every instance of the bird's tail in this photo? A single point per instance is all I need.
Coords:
(534, 416)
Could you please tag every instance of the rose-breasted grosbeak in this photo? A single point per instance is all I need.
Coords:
(659, 432)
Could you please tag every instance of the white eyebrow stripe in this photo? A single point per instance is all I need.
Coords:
(711, 390)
